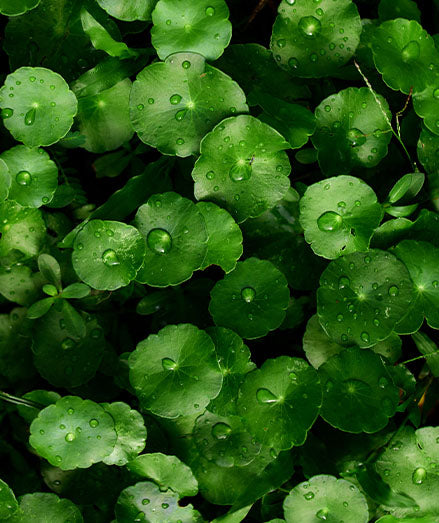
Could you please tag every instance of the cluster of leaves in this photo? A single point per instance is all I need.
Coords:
(219, 261)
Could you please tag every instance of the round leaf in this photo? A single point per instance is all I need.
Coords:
(421, 260)
(176, 239)
(41, 507)
(352, 130)
(144, 501)
(404, 54)
(40, 105)
(242, 166)
(18, 284)
(104, 118)
(41, 397)
(324, 498)
(5, 180)
(107, 254)
(73, 433)
(358, 392)
(362, 296)
(17, 7)
(426, 105)
(8, 503)
(389, 9)
(314, 41)
(234, 361)
(34, 176)
(130, 430)
(280, 402)
(194, 27)
(128, 10)
(251, 300)
(175, 103)
(224, 237)
(175, 372)
(225, 440)
(167, 471)
(339, 216)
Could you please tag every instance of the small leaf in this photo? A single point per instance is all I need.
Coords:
(76, 290)
(406, 187)
(39, 308)
(8, 503)
(40, 506)
(50, 269)
(128, 10)
(17, 7)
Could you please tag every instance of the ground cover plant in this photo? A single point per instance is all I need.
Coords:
(219, 261)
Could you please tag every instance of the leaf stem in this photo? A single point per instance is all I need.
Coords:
(419, 357)
(20, 401)
(377, 100)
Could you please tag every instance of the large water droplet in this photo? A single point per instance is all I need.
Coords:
(248, 294)
(68, 343)
(355, 137)
(310, 25)
(93, 423)
(159, 241)
(175, 99)
(240, 171)
(419, 475)
(309, 495)
(29, 117)
(109, 257)
(365, 337)
(7, 113)
(70, 437)
(210, 11)
(168, 364)
(23, 178)
(221, 430)
(329, 221)
(393, 291)
(383, 382)
(293, 63)
(343, 282)
(322, 514)
(411, 52)
(265, 396)
(179, 115)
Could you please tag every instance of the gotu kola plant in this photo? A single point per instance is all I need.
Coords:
(219, 252)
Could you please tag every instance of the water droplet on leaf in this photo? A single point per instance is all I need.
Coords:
(159, 241)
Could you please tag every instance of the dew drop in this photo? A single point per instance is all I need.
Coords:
(145, 501)
(365, 337)
(329, 221)
(140, 107)
(186, 64)
(68, 343)
(175, 99)
(340, 317)
(293, 63)
(179, 141)
(248, 294)
(93, 423)
(410, 52)
(419, 475)
(165, 505)
(436, 93)
(169, 364)
(265, 396)
(7, 113)
(23, 178)
(221, 430)
(309, 495)
(310, 26)
(355, 137)
(29, 117)
(210, 11)
(70, 437)
(240, 171)
(322, 514)
(109, 257)
(383, 382)
(343, 282)
(179, 115)
(159, 241)
(393, 291)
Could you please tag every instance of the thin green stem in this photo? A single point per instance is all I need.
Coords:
(380, 105)
(15, 400)
(419, 357)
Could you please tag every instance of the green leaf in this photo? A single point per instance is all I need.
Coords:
(5, 180)
(428, 144)
(18, 284)
(242, 166)
(426, 104)
(42, 397)
(41, 507)
(50, 269)
(176, 239)
(103, 118)
(409, 465)
(101, 38)
(40, 308)
(420, 258)
(168, 472)
(22, 230)
(144, 501)
(76, 290)
(254, 68)
(64, 355)
(55, 436)
(280, 402)
(194, 27)
(42, 105)
(107, 254)
(131, 433)
(352, 130)
(224, 237)
(128, 10)
(358, 392)
(362, 296)
(390, 9)
(234, 361)
(225, 440)
(175, 103)
(293, 121)
(406, 187)
(430, 350)
(17, 7)
(404, 54)
(182, 371)
(339, 216)
(325, 497)
(8, 503)
(310, 42)
(251, 300)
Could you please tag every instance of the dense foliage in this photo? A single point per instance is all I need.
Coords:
(219, 261)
